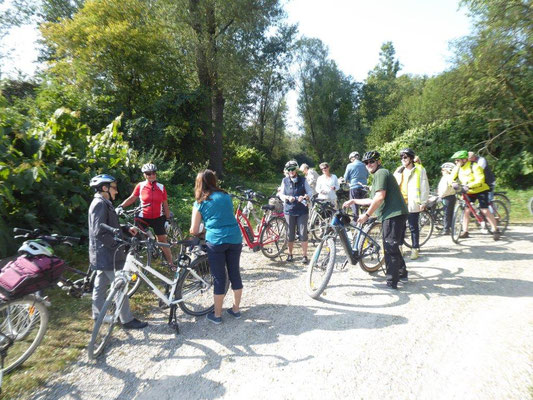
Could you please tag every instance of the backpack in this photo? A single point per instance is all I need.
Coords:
(27, 275)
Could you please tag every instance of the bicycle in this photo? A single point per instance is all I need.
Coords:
(189, 289)
(496, 207)
(271, 234)
(425, 229)
(319, 217)
(174, 235)
(531, 205)
(502, 196)
(24, 319)
(363, 248)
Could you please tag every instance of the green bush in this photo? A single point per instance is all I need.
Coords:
(45, 171)
(246, 161)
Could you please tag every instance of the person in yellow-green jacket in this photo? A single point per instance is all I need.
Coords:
(414, 185)
(471, 177)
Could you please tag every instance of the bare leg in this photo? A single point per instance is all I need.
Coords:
(219, 300)
(166, 250)
(490, 217)
(237, 300)
(466, 219)
(291, 246)
(304, 248)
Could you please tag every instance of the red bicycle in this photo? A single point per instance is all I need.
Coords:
(270, 235)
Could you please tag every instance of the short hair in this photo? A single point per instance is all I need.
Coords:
(324, 165)
(303, 167)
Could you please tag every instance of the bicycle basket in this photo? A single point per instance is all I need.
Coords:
(277, 203)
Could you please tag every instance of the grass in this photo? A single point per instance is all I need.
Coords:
(519, 205)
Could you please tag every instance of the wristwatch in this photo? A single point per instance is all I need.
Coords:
(367, 214)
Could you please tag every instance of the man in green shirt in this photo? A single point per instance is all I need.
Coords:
(387, 203)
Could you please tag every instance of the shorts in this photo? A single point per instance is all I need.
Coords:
(482, 197)
(157, 224)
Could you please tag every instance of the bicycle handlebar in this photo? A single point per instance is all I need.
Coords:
(52, 239)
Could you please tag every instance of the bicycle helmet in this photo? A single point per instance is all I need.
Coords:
(148, 168)
(36, 247)
(99, 180)
(371, 155)
(460, 155)
(291, 164)
(407, 151)
(353, 154)
(447, 165)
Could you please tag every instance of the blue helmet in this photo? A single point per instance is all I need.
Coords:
(100, 180)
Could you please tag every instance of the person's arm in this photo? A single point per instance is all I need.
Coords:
(336, 184)
(196, 220)
(129, 201)
(100, 213)
(424, 187)
(308, 190)
(479, 176)
(166, 209)
(359, 202)
(375, 203)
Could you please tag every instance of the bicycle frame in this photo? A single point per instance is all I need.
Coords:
(466, 201)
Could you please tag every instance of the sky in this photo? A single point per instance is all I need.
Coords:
(353, 30)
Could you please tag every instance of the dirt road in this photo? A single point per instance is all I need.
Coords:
(461, 328)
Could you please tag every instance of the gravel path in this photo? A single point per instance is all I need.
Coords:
(461, 328)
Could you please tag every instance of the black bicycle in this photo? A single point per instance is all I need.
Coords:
(362, 249)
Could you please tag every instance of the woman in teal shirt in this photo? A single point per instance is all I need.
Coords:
(214, 207)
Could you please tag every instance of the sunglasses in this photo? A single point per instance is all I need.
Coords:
(291, 169)
(323, 169)
(367, 162)
(149, 173)
(405, 157)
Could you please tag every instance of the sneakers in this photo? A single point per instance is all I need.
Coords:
(414, 254)
(464, 235)
(290, 258)
(135, 324)
(496, 235)
(236, 315)
(215, 320)
(305, 260)
(446, 232)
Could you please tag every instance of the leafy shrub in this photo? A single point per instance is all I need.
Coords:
(246, 161)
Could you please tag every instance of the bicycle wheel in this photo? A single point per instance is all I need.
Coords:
(501, 215)
(103, 327)
(25, 322)
(197, 296)
(321, 267)
(425, 228)
(531, 205)
(174, 234)
(371, 257)
(319, 224)
(503, 198)
(457, 223)
(273, 238)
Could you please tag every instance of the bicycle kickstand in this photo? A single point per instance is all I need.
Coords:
(172, 321)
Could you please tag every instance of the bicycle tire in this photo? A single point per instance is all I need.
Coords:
(273, 239)
(425, 224)
(134, 287)
(174, 234)
(24, 320)
(202, 302)
(319, 224)
(503, 197)
(321, 267)
(457, 223)
(531, 205)
(370, 260)
(501, 215)
(106, 320)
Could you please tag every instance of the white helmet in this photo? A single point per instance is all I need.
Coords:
(99, 180)
(448, 166)
(36, 247)
(148, 168)
(353, 154)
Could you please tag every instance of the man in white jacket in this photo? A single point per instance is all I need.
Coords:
(414, 185)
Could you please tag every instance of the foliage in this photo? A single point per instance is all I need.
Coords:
(45, 170)
(246, 161)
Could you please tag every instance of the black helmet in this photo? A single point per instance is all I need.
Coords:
(291, 164)
(408, 151)
(371, 155)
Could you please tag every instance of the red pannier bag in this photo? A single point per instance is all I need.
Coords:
(29, 274)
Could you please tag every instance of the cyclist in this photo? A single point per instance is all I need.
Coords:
(414, 186)
(156, 214)
(472, 178)
(447, 195)
(357, 176)
(327, 184)
(104, 253)
(490, 179)
(295, 192)
(386, 201)
(311, 176)
(214, 207)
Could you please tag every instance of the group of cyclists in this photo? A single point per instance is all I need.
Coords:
(396, 199)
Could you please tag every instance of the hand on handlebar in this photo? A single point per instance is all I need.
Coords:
(119, 210)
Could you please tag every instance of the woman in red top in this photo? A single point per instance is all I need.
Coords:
(157, 212)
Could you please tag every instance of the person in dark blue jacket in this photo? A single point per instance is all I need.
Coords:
(295, 193)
